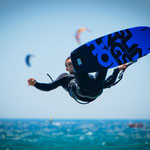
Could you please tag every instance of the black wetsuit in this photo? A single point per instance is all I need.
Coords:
(83, 87)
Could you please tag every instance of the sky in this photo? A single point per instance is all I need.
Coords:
(46, 29)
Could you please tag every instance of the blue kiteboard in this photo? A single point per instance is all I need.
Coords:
(112, 50)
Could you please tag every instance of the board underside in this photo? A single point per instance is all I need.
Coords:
(112, 50)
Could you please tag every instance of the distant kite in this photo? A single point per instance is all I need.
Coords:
(78, 34)
(27, 60)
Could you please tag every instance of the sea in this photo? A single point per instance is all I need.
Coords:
(78, 134)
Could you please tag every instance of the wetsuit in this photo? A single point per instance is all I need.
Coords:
(84, 87)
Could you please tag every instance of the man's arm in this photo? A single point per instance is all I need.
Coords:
(111, 79)
(47, 86)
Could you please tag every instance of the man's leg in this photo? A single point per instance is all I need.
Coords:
(100, 78)
(83, 80)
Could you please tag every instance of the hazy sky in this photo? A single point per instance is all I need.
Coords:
(46, 29)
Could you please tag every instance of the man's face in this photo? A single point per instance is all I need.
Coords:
(69, 66)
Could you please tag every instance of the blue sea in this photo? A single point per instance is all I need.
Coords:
(25, 134)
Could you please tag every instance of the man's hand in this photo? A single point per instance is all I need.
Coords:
(122, 67)
(31, 82)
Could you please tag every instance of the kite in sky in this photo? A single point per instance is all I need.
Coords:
(27, 59)
(78, 34)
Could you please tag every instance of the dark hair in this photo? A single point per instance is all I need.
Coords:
(67, 59)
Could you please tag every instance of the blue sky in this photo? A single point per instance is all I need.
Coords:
(46, 29)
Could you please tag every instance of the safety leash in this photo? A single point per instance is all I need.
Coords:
(50, 77)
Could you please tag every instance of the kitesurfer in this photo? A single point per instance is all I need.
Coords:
(82, 87)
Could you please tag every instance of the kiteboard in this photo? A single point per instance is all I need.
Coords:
(112, 50)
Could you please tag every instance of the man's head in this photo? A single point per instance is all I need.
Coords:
(69, 66)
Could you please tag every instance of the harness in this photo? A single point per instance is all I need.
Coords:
(72, 86)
